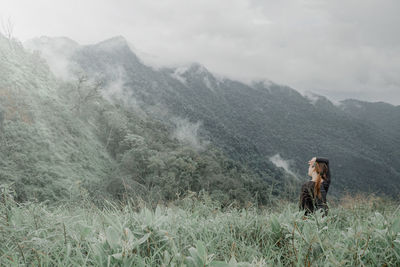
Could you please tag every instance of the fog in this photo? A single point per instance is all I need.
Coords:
(337, 49)
(282, 163)
(188, 133)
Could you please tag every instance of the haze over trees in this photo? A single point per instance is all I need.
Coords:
(61, 137)
(116, 127)
(250, 123)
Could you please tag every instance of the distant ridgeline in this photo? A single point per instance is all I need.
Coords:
(108, 125)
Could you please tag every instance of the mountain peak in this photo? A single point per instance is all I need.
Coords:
(191, 70)
(113, 42)
(116, 45)
(197, 68)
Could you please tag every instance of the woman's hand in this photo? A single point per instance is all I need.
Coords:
(312, 160)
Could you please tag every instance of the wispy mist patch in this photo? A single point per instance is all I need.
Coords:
(282, 163)
(311, 97)
(177, 74)
(56, 51)
(188, 133)
(116, 91)
(115, 88)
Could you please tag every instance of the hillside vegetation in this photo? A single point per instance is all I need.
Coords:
(195, 231)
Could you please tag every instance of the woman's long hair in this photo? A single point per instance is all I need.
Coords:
(322, 170)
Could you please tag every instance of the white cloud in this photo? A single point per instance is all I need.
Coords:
(187, 133)
(313, 98)
(177, 74)
(57, 53)
(282, 163)
(340, 49)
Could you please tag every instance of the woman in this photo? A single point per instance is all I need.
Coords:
(313, 193)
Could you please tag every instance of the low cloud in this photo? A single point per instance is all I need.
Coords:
(339, 49)
(282, 163)
(117, 92)
(188, 133)
(56, 52)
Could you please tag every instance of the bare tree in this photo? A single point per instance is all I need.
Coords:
(7, 29)
(3, 55)
(1, 119)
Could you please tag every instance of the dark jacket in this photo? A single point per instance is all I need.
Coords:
(308, 201)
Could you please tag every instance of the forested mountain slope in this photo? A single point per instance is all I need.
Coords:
(252, 123)
(379, 114)
(62, 139)
(45, 151)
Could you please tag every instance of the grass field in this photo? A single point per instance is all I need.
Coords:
(195, 231)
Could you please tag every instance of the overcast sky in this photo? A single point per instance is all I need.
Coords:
(340, 49)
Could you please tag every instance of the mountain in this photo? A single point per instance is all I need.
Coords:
(254, 123)
(379, 114)
(64, 138)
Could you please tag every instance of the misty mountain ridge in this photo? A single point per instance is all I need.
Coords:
(234, 115)
(260, 125)
(61, 140)
(65, 45)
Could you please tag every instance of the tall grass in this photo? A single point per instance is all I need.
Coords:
(195, 231)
